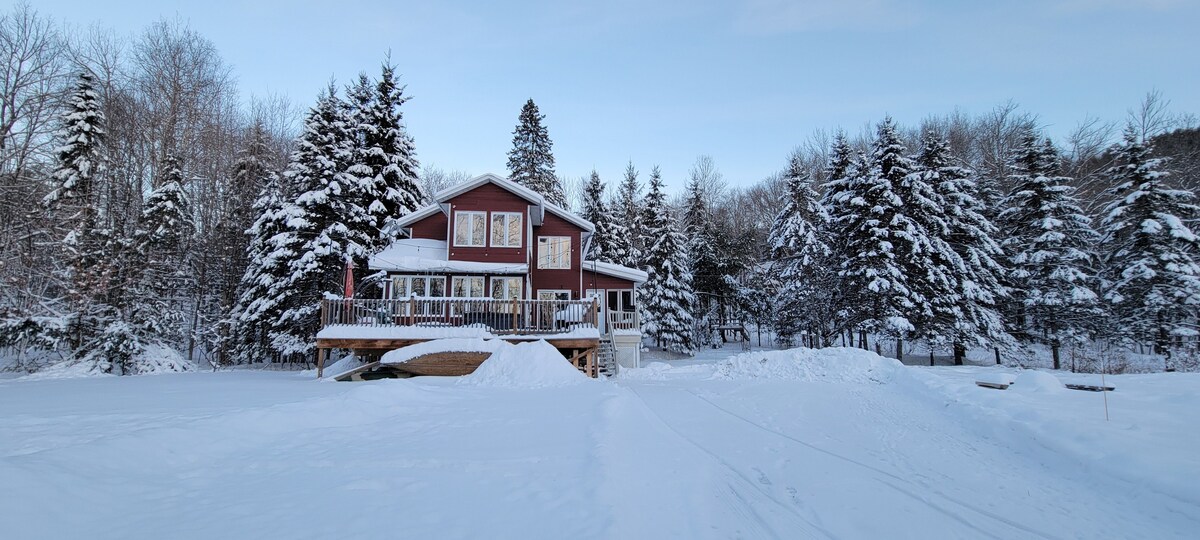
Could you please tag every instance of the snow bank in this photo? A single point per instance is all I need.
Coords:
(1032, 380)
(153, 359)
(535, 364)
(405, 354)
(835, 364)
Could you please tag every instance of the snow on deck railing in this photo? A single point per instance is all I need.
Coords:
(501, 316)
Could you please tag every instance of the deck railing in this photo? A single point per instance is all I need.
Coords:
(623, 320)
(500, 316)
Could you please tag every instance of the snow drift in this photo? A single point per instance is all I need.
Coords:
(534, 364)
(405, 354)
(834, 364)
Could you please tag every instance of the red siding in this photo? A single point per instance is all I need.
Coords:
(489, 198)
(592, 280)
(432, 227)
(558, 279)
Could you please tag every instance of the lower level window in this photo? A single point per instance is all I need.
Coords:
(420, 286)
(507, 288)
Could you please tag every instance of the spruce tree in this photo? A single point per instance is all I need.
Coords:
(257, 306)
(327, 225)
(394, 190)
(604, 246)
(800, 252)
(80, 162)
(1049, 242)
(973, 319)
(164, 229)
(1150, 250)
(531, 161)
(880, 236)
(627, 216)
(667, 296)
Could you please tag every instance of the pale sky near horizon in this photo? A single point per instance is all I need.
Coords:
(663, 82)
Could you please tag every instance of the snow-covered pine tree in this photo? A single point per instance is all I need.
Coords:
(627, 216)
(974, 320)
(800, 254)
(931, 262)
(391, 155)
(879, 234)
(1049, 241)
(603, 246)
(1150, 250)
(79, 155)
(667, 296)
(269, 252)
(326, 224)
(164, 229)
(80, 161)
(531, 161)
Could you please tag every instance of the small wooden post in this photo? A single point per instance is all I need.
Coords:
(596, 312)
(412, 311)
(515, 308)
(320, 362)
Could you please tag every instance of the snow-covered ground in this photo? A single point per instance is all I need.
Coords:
(820, 444)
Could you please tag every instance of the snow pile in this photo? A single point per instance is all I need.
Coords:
(346, 363)
(405, 354)
(154, 358)
(535, 364)
(1032, 380)
(840, 364)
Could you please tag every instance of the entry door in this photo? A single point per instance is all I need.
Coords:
(599, 295)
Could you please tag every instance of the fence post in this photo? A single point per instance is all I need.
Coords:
(412, 311)
(515, 309)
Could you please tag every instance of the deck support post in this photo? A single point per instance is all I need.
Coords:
(320, 362)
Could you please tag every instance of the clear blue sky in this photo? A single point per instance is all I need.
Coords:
(741, 81)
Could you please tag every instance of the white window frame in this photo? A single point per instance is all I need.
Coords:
(470, 215)
(408, 285)
(508, 218)
(468, 279)
(504, 282)
(565, 257)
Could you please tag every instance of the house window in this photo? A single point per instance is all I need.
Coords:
(470, 228)
(467, 286)
(419, 286)
(507, 288)
(554, 252)
(620, 300)
(506, 229)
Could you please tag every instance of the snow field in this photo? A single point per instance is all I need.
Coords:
(841, 444)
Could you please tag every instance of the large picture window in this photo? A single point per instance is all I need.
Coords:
(507, 288)
(419, 286)
(554, 252)
(467, 287)
(506, 229)
(470, 229)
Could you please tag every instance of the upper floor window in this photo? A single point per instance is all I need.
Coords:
(506, 229)
(554, 252)
(470, 228)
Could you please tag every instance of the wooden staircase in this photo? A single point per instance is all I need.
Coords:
(606, 356)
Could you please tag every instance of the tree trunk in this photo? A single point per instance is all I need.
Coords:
(931, 357)
(1054, 353)
(960, 354)
(997, 351)
(900, 349)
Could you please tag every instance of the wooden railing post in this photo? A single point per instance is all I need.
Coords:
(412, 311)
(515, 309)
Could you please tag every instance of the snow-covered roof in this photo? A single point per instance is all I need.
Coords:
(418, 215)
(425, 255)
(572, 218)
(523, 192)
(513, 187)
(616, 270)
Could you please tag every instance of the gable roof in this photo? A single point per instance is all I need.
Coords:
(442, 198)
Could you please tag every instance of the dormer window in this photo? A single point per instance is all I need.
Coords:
(470, 229)
(506, 229)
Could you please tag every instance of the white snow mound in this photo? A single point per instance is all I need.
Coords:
(534, 364)
(1032, 380)
(834, 364)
